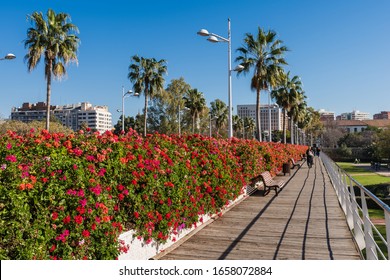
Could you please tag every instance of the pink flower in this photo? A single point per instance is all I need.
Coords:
(62, 236)
(96, 190)
(83, 202)
(11, 158)
(102, 171)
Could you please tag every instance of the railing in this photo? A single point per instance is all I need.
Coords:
(353, 199)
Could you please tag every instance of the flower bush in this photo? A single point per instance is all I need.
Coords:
(70, 196)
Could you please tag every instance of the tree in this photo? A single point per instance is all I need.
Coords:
(176, 91)
(219, 112)
(195, 102)
(286, 95)
(265, 55)
(383, 144)
(147, 76)
(238, 125)
(249, 127)
(55, 39)
(311, 123)
(129, 123)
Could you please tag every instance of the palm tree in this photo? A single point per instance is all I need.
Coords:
(238, 124)
(147, 76)
(219, 111)
(55, 39)
(249, 125)
(297, 110)
(286, 95)
(195, 102)
(265, 55)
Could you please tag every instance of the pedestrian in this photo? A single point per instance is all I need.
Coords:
(309, 156)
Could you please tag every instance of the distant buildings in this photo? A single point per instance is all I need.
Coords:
(276, 115)
(354, 115)
(355, 126)
(72, 116)
(326, 116)
(384, 115)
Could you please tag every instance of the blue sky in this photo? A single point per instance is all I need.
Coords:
(340, 49)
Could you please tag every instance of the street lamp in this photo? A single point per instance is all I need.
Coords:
(123, 104)
(214, 38)
(8, 57)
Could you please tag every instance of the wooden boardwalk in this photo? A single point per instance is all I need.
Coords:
(304, 222)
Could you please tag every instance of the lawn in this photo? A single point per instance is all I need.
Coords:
(364, 175)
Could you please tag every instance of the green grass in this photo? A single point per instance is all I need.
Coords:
(371, 179)
(364, 176)
(350, 168)
(376, 213)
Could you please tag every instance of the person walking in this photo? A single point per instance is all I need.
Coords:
(310, 157)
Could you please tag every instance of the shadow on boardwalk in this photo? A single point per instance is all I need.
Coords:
(304, 221)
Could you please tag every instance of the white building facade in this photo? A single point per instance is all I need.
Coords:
(73, 116)
(355, 115)
(244, 111)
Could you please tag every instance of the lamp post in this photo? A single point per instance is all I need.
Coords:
(214, 38)
(269, 116)
(8, 57)
(123, 104)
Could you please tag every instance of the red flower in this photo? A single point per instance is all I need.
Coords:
(86, 233)
(136, 215)
(54, 216)
(78, 219)
(66, 220)
(52, 248)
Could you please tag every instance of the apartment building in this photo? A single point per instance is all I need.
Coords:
(384, 115)
(72, 116)
(354, 115)
(276, 115)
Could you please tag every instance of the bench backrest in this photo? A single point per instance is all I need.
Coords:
(266, 177)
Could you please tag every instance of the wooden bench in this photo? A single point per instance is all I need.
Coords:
(268, 182)
(293, 163)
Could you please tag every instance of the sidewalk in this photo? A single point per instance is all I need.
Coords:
(303, 222)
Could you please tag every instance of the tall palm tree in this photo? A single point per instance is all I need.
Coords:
(264, 53)
(147, 76)
(286, 95)
(55, 39)
(195, 102)
(219, 111)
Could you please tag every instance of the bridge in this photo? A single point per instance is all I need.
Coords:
(310, 219)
